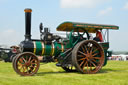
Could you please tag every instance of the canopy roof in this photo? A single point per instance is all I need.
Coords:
(91, 28)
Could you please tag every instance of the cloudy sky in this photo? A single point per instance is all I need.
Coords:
(54, 12)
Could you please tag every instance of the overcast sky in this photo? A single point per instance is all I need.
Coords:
(54, 12)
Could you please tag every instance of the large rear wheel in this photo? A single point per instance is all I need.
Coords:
(88, 56)
(26, 64)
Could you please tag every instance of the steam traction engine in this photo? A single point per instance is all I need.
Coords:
(75, 53)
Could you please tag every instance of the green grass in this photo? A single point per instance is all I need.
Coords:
(114, 73)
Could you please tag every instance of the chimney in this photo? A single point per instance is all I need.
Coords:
(27, 24)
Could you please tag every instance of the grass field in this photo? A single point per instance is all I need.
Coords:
(114, 73)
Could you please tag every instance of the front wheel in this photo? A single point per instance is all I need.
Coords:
(88, 57)
(26, 64)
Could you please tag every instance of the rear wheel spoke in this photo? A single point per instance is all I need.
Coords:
(95, 50)
(81, 63)
(92, 63)
(97, 58)
(82, 59)
(84, 64)
(87, 68)
(90, 67)
(95, 54)
(91, 50)
(94, 60)
(83, 49)
(82, 53)
(86, 49)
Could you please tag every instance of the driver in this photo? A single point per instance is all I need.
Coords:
(98, 37)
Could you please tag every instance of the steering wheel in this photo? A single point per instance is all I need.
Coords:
(74, 39)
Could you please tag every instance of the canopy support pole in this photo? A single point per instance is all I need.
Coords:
(107, 35)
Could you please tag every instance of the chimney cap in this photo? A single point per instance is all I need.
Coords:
(28, 10)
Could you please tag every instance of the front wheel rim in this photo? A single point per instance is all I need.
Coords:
(26, 64)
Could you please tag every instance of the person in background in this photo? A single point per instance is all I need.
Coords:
(91, 37)
(98, 37)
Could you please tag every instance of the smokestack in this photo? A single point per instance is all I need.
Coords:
(27, 24)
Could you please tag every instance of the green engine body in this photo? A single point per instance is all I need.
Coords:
(42, 48)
